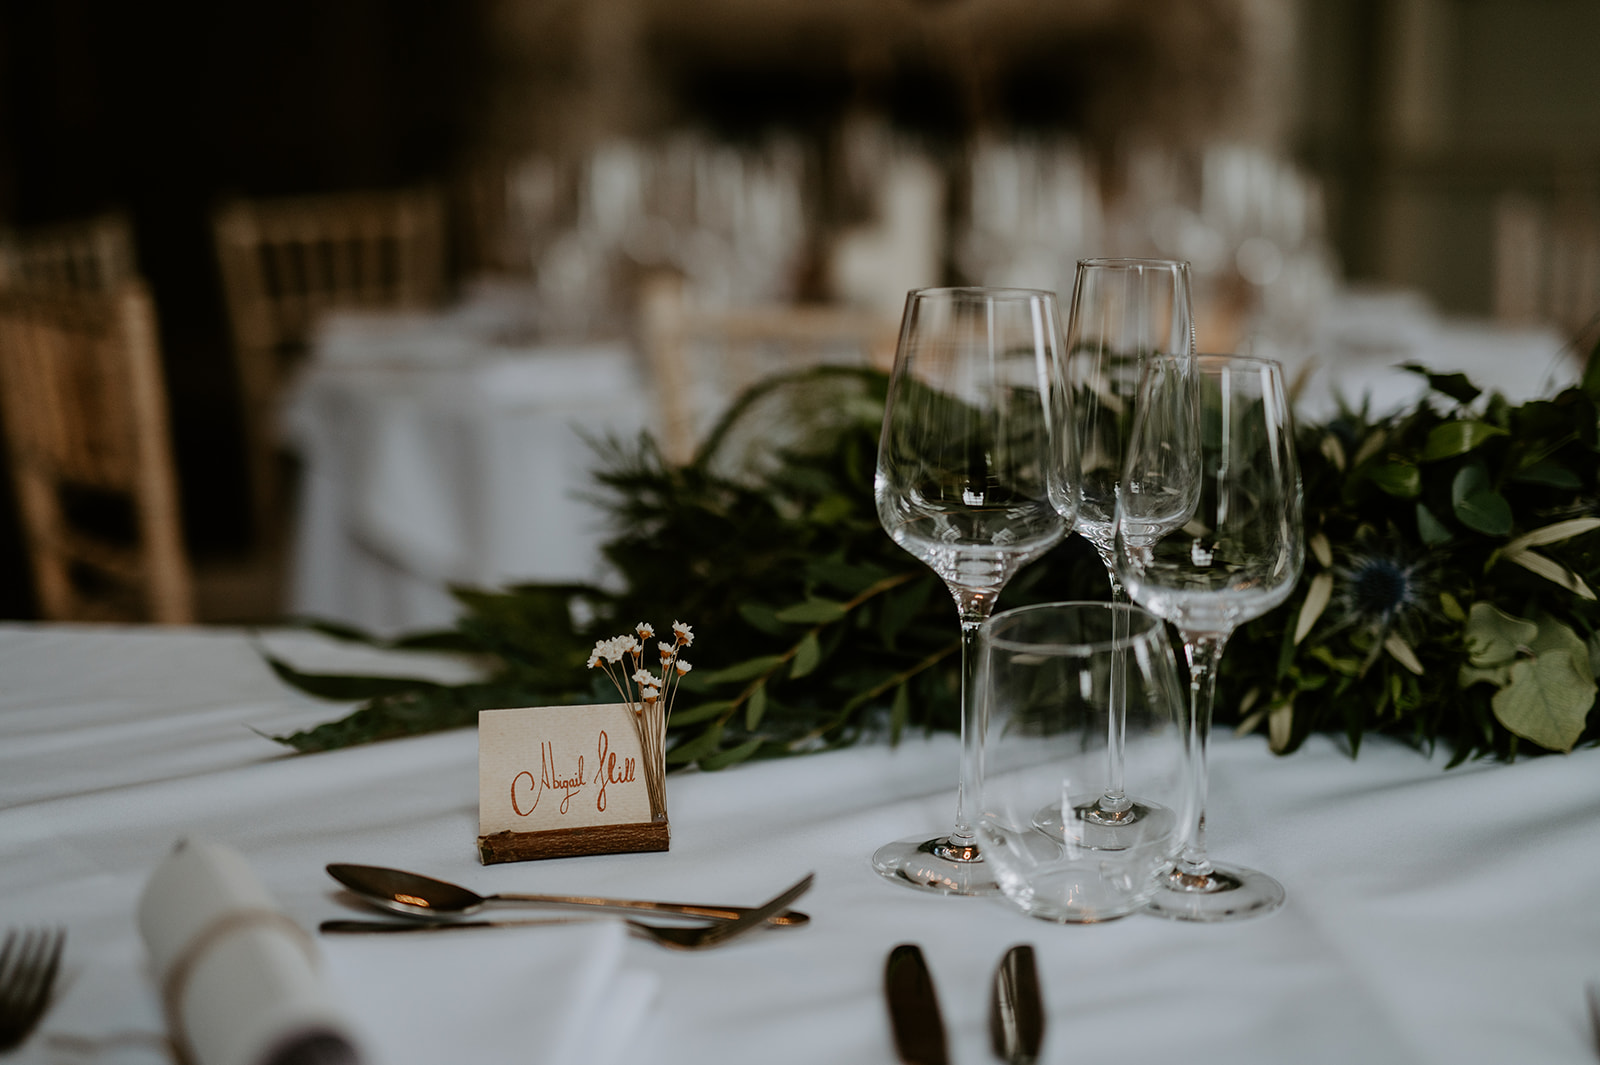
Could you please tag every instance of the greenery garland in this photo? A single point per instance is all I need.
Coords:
(1447, 599)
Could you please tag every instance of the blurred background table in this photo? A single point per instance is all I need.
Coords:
(448, 448)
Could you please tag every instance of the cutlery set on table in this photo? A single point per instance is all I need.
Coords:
(1016, 1008)
(435, 905)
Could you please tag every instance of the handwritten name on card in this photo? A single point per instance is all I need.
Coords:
(560, 780)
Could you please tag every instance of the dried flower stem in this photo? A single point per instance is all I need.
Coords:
(623, 660)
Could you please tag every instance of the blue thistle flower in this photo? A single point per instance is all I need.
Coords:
(1377, 589)
(1383, 585)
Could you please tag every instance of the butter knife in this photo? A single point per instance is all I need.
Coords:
(1016, 1014)
(914, 1007)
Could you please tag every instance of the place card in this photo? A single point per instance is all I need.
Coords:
(559, 781)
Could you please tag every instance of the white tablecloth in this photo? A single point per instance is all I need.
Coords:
(1433, 916)
(441, 449)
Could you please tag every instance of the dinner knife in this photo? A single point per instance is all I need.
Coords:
(914, 1007)
(1593, 995)
(1016, 1014)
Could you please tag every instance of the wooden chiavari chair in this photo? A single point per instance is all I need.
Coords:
(86, 423)
(286, 262)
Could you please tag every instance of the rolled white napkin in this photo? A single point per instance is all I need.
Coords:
(240, 981)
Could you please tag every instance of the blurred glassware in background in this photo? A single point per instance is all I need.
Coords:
(730, 219)
(1033, 211)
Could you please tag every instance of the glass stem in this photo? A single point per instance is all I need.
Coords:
(1204, 652)
(1115, 800)
(975, 607)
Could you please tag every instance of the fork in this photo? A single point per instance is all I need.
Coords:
(28, 967)
(695, 937)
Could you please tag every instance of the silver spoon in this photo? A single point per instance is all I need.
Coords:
(699, 937)
(422, 896)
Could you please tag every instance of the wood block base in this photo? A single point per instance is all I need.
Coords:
(571, 842)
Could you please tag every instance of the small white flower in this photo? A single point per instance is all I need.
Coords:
(683, 632)
(644, 679)
(594, 658)
(667, 651)
(682, 667)
(644, 630)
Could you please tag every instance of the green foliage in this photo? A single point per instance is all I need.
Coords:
(1447, 599)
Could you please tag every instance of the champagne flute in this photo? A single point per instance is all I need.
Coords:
(1238, 557)
(976, 477)
(1124, 312)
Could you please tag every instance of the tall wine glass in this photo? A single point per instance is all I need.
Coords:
(1124, 312)
(976, 467)
(1237, 558)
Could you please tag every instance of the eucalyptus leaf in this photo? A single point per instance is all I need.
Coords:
(900, 606)
(1477, 505)
(1432, 531)
(1457, 438)
(1554, 636)
(806, 657)
(1398, 477)
(700, 712)
(1549, 473)
(696, 747)
(345, 687)
(1547, 700)
(730, 756)
(763, 617)
(1455, 385)
(899, 712)
(846, 577)
(749, 670)
(1494, 637)
(813, 612)
(755, 708)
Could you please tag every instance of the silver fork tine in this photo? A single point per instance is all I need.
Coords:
(26, 981)
(5, 953)
(50, 945)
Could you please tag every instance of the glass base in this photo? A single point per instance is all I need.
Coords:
(936, 865)
(1228, 893)
(1097, 828)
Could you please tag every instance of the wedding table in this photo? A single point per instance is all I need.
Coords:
(1433, 916)
(450, 447)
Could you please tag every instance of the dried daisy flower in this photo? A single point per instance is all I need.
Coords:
(640, 690)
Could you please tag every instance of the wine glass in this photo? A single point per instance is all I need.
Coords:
(1239, 556)
(1046, 674)
(975, 471)
(1124, 312)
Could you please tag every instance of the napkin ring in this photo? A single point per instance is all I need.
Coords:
(176, 982)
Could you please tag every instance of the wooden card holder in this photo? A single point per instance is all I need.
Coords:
(559, 781)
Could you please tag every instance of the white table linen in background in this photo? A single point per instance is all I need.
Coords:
(1440, 917)
(445, 449)
(1364, 337)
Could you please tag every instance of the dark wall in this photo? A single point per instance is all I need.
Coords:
(161, 109)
